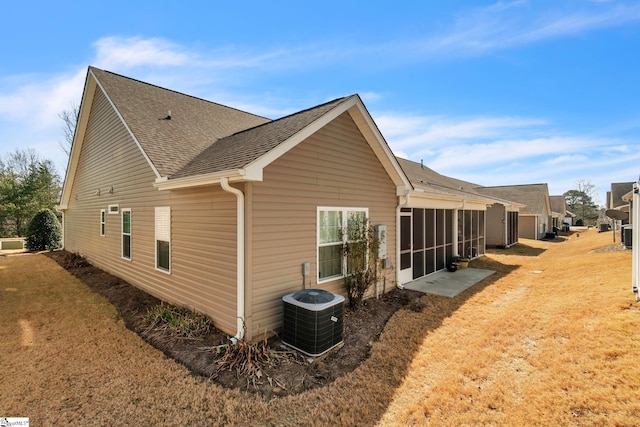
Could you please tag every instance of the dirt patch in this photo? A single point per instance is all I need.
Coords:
(287, 372)
(611, 248)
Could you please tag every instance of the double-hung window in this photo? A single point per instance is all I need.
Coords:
(126, 233)
(163, 239)
(333, 233)
(103, 222)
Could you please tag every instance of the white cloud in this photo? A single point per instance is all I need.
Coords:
(119, 52)
(408, 132)
(504, 25)
(41, 99)
(370, 96)
(504, 150)
(561, 160)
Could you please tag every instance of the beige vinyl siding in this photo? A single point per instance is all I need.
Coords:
(528, 227)
(335, 167)
(203, 223)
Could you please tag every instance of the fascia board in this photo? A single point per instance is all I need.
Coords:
(163, 183)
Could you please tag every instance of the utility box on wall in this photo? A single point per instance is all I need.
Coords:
(380, 231)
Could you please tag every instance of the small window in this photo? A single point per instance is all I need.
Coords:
(126, 234)
(103, 222)
(163, 239)
(114, 209)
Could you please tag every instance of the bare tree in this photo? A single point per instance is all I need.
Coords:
(70, 119)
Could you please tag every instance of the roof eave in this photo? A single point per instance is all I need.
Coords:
(234, 175)
(421, 193)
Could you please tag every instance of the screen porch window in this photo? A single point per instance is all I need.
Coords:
(471, 233)
(333, 232)
(163, 239)
(126, 233)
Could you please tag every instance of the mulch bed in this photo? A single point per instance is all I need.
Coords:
(287, 372)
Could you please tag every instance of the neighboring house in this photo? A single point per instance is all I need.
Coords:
(615, 196)
(224, 212)
(569, 217)
(558, 210)
(535, 217)
(616, 199)
(445, 217)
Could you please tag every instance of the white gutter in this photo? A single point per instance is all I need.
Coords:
(407, 200)
(163, 183)
(240, 259)
(635, 239)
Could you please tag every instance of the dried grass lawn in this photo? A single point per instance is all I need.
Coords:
(551, 339)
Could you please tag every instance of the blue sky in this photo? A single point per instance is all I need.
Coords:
(496, 93)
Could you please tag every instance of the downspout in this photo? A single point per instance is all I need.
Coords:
(407, 200)
(240, 259)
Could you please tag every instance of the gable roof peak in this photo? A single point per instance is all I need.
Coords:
(169, 144)
(97, 71)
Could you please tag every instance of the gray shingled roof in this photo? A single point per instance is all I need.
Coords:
(240, 149)
(432, 182)
(195, 123)
(619, 189)
(558, 204)
(532, 195)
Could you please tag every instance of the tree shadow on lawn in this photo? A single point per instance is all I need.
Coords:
(381, 340)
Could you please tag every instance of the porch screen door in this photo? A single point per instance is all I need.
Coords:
(406, 273)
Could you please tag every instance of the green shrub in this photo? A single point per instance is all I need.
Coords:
(579, 222)
(44, 232)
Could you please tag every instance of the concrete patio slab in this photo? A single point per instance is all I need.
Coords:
(449, 284)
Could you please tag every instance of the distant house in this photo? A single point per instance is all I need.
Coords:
(616, 199)
(569, 217)
(496, 218)
(535, 217)
(224, 211)
(558, 210)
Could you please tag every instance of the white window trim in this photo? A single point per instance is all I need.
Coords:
(113, 212)
(103, 222)
(156, 239)
(122, 211)
(345, 215)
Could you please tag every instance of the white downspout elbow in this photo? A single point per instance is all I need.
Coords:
(240, 259)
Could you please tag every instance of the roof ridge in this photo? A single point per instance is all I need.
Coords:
(343, 98)
(512, 185)
(91, 67)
